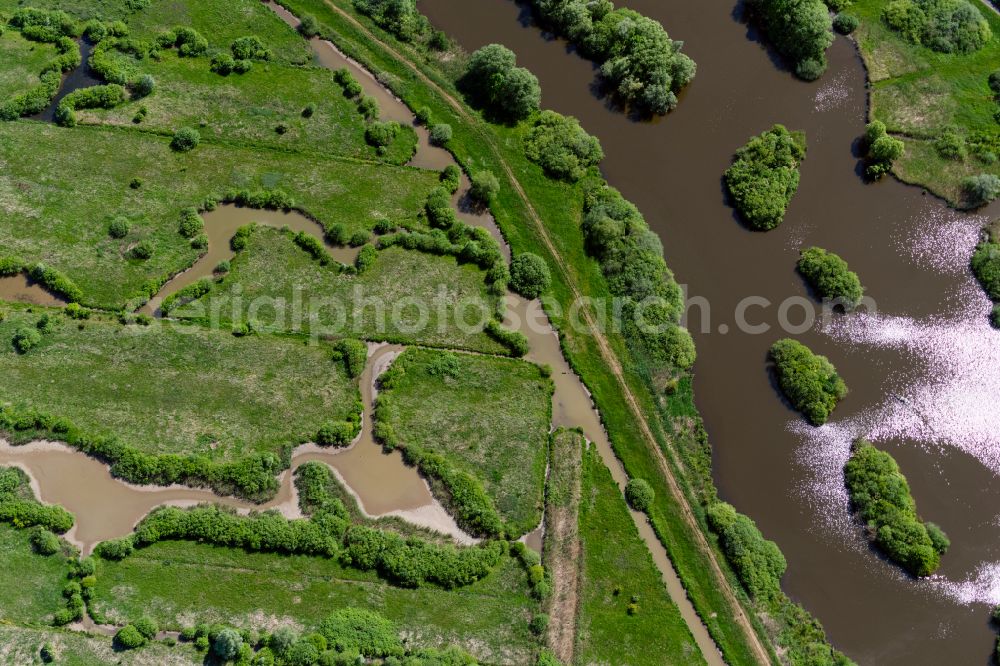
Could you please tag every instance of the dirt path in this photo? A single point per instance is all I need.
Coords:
(562, 541)
(605, 348)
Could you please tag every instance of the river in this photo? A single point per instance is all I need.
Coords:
(922, 371)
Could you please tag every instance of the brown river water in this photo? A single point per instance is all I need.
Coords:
(923, 369)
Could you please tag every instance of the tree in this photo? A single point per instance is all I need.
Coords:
(185, 139)
(559, 145)
(484, 186)
(147, 627)
(830, 277)
(440, 134)
(529, 275)
(801, 30)
(309, 26)
(639, 494)
(845, 24)
(492, 82)
(764, 176)
(808, 380)
(129, 638)
(982, 189)
(227, 644)
(143, 86)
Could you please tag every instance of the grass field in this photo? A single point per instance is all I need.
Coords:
(489, 416)
(398, 276)
(166, 390)
(617, 567)
(59, 189)
(182, 583)
(221, 22)
(30, 584)
(22, 63)
(249, 108)
(22, 645)
(110, 10)
(918, 92)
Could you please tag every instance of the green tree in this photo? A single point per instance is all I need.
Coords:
(808, 380)
(227, 644)
(484, 187)
(529, 275)
(764, 176)
(494, 83)
(639, 494)
(830, 277)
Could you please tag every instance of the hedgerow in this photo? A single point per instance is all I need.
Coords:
(881, 497)
(192, 292)
(55, 282)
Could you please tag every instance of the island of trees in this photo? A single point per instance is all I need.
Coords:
(808, 380)
(764, 176)
(881, 497)
(830, 277)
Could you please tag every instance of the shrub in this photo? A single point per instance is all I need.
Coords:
(423, 115)
(354, 354)
(881, 496)
(147, 627)
(302, 653)
(309, 110)
(143, 86)
(801, 30)
(809, 381)
(529, 275)
(845, 24)
(485, 186)
(249, 48)
(639, 494)
(309, 26)
(758, 563)
(26, 339)
(366, 258)
(986, 267)
(381, 134)
(142, 250)
(440, 134)
(313, 246)
(451, 178)
(44, 542)
(115, 549)
(119, 227)
(539, 624)
(346, 80)
(882, 150)
(830, 277)
(191, 223)
(47, 653)
(185, 139)
(639, 63)
(561, 147)
(281, 640)
(493, 83)
(129, 638)
(982, 189)
(515, 341)
(950, 145)
(227, 644)
(764, 176)
(368, 107)
(362, 630)
(948, 26)
(400, 17)
(223, 64)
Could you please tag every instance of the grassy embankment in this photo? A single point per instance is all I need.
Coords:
(22, 63)
(22, 645)
(918, 93)
(161, 390)
(60, 215)
(478, 145)
(488, 416)
(410, 283)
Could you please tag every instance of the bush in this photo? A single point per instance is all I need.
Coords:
(354, 354)
(222, 64)
(485, 186)
(147, 627)
(982, 189)
(366, 258)
(249, 48)
(26, 339)
(440, 134)
(758, 563)
(363, 631)
(639, 494)
(451, 178)
(809, 381)
(310, 110)
(881, 496)
(191, 223)
(227, 644)
(515, 341)
(845, 24)
(948, 26)
(119, 227)
(764, 176)
(347, 82)
(830, 277)
(143, 86)
(639, 63)
(129, 638)
(539, 624)
(400, 17)
(185, 139)
(115, 549)
(561, 147)
(143, 250)
(529, 275)
(309, 26)
(381, 134)
(986, 267)
(801, 30)
(368, 107)
(423, 115)
(44, 542)
(47, 653)
(950, 145)
(882, 150)
(493, 83)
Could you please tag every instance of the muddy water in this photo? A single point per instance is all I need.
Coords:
(81, 77)
(220, 226)
(931, 346)
(22, 290)
(105, 507)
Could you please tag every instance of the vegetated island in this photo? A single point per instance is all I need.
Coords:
(881, 497)
(764, 176)
(801, 31)
(830, 277)
(986, 267)
(808, 380)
